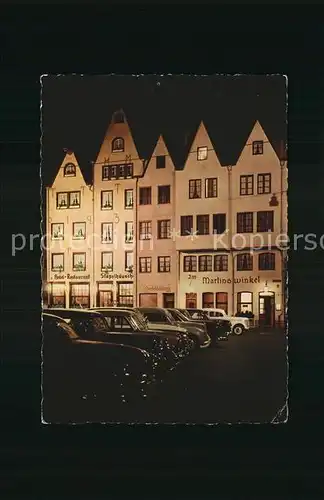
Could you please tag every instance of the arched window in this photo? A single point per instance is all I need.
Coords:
(244, 302)
(69, 170)
(117, 144)
(267, 261)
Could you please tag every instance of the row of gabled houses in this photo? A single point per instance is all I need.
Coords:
(147, 233)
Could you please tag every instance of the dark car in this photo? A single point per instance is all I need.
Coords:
(170, 328)
(219, 328)
(130, 324)
(158, 315)
(76, 372)
(92, 325)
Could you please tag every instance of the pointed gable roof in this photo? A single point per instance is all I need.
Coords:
(69, 157)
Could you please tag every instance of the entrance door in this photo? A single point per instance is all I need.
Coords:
(267, 310)
(168, 300)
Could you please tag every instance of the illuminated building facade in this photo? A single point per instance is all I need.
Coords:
(147, 232)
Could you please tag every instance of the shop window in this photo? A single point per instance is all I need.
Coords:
(57, 295)
(148, 300)
(208, 300)
(125, 294)
(244, 302)
(222, 301)
(80, 295)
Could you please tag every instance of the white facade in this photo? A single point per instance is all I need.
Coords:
(208, 235)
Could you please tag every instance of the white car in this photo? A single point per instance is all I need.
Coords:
(239, 325)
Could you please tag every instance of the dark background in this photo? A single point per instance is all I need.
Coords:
(258, 461)
(76, 111)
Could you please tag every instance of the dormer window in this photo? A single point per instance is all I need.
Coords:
(202, 153)
(69, 170)
(257, 147)
(117, 145)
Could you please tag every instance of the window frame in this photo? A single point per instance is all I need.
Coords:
(260, 227)
(162, 162)
(160, 192)
(220, 258)
(197, 182)
(70, 165)
(110, 194)
(190, 268)
(74, 266)
(110, 229)
(129, 268)
(244, 227)
(271, 265)
(131, 206)
(148, 201)
(147, 234)
(255, 147)
(129, 235)
(244, 185)
(167, 267)
(108, 267)
(74, 237)
(56, 254)
(147, 267)
(239, 261)
(207, 180)
(208, 267)
(52, 231)
(206, 228)
(118, 150)
(168, 229)
(199, 150)
(261, 186)
(184, 232)
(220, 304)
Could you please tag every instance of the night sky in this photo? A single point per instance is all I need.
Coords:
(76, 112)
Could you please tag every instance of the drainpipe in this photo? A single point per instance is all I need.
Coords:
(136, 244)
(230, 225)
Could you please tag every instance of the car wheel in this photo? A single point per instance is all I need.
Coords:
(238, 329)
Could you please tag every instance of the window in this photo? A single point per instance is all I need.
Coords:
(205, 263)
(164, 229)
(257, 147)
(145, 196)
(107, 232)
(57, 297)
(164, 194)
(220, 263)
(222, 301)
(191, 300)
(160, 161)
(57, 231)
(265, 221)
(245, 222)
(246, 185)
(266, 261)
(211, 188)
(164, 264)
(106, 200)
(145, 230)
(264, 183)
(244, 262)
(107, 261)
(74, 199)
(120, 171)
(58, 262)
(129, 200)
(202, 153)
(194, 188)
(208, 300)
(80, 295)
(244, 302)
(117, 144)
(202, 224)
(190, 263)
(129, 232)
(168, 300)
(186, 225)
(69, 170)
(129, 261)
(125, 294)
(79, 262)
(105, 295)
(219, 223)
(79, 230)
(68, 200)
(145, 264)
(62, 200)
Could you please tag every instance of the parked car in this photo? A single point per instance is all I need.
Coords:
(173, 329)
(77, 371)
(92, 325)
(157, 315)
(123, 321)
(239, 324)
(222, 326)
(213, 329)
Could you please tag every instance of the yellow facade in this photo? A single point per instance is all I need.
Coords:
(150, 228)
